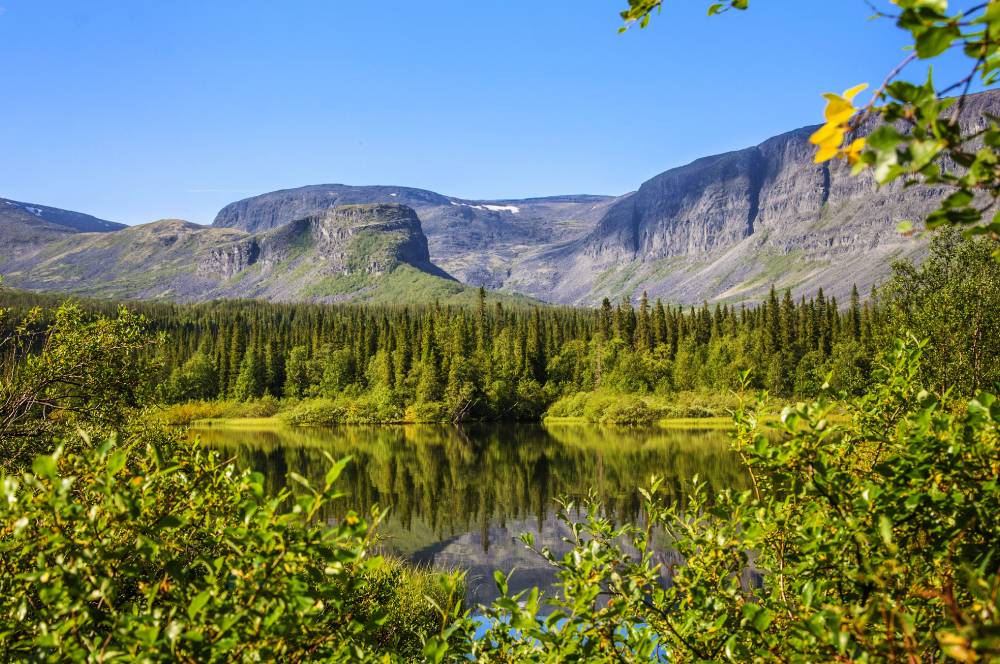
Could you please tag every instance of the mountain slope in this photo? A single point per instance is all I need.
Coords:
(346, 253)
(729, 226)
(25, 226)
(479, 242)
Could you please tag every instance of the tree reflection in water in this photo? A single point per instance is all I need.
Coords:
(460, 496)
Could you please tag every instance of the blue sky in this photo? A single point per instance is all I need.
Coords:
(135, 110)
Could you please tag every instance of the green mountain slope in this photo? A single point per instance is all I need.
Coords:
(375, 253)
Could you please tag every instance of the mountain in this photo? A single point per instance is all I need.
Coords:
(722, 228)
(729, 226)
(479, 242)
(24, 225)
(345, 253)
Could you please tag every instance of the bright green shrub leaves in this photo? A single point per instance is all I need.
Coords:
(873, 538)
(179, 556)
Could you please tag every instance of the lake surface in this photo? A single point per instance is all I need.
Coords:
(459, 497)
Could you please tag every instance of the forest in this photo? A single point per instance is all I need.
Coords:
(620, 363)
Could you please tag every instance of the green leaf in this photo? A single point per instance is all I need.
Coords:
(501, 581)
(295, 477)
(336, 469)
(198, 603)
(45, 466)
(885, 528)
(936, 41)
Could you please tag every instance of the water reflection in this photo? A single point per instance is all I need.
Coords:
(459, 497)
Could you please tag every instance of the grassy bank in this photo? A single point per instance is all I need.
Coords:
(681, 409)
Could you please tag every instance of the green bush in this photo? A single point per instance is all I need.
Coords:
(629, 411)
(610, 408)
(191, 411)
(401, 596)
(870, 538)
(596, 406)
(315, 412)
(570, 405)
(428, 411)
(173, 554)
(698, 404)
(377, 406)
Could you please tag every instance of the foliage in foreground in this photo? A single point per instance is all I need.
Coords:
(875, 539)
(180, 556)
(145, 546)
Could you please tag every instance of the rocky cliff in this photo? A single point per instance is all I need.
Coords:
(479, 242)
(729, 226)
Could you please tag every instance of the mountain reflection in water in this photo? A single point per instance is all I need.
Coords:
(459, 497)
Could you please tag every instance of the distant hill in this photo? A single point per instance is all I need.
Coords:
(479, 242)
(346, 253)
(24, 225)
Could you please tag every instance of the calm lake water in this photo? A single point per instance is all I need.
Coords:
(459, 497)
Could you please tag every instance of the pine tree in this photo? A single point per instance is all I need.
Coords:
(854, 315)
(249, 383)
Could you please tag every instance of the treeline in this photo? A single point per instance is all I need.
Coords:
(494, 361)
(491, 361)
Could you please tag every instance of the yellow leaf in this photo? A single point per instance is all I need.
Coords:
(826, 153)
(853, 92)
(853, 151)
(838, 110)
(828, 134)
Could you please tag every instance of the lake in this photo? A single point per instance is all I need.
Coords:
(460, 496)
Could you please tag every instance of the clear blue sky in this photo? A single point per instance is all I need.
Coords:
(135, 110)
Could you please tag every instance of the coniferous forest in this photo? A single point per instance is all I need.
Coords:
(618, 363)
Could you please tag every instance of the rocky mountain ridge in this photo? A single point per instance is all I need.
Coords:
(479, 242)
(26, 225)
(345, 253)
(722, 228)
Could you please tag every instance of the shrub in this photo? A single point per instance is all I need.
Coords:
(400, 596)
(628, 411)
(173, 554)
(570, 405)
(699, 404)
(427, 411)
(867, 539)
(318, 412)
(186, 413)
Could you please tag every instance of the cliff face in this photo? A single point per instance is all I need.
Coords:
(728, 227)
(342, 241)
(479, 242)
(277, 208)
